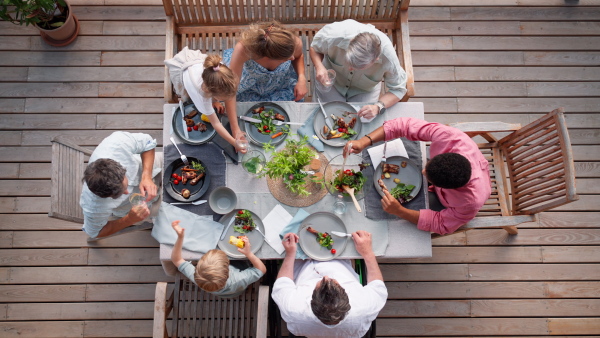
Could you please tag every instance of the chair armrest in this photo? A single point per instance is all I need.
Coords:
(64, 141)
(498, 221)
(262, 311)
(159, 329)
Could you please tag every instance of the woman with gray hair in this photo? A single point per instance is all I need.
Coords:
(362, 57)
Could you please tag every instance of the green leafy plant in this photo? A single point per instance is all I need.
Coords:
(46, 14)
(288, 164)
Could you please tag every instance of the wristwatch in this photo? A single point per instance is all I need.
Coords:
(381, 107)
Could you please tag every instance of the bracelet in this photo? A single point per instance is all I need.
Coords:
(370, 139)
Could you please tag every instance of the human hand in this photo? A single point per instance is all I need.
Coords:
(300, 90)
(321, 73)
(362, 242)
(369, 111)
(353, 147)
(148, 188)
(219, 108)
(138, 213)
(241, 142)
(246, 250)
(178, 229)
(290, 241)
(390, 204)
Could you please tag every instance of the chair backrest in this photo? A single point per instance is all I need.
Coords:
(68, 165)
(213, 26)
(540, 165)
(197, 313)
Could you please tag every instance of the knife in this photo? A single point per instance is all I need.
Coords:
(341, 234)
(227, 227)
(249, 119)
(327, 122)
(185, 132)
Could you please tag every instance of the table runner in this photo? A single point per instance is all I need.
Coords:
(212, 156)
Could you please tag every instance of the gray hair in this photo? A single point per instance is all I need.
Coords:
(104, 177)
(330, 302)
(363, 50)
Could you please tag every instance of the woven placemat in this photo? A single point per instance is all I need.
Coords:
(283, 195)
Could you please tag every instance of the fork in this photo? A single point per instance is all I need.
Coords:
(280, 123)
(383, 158)
(183, 158)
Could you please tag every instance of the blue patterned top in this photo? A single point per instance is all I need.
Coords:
(260, 84)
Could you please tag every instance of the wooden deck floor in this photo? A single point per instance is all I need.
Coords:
(512, 61)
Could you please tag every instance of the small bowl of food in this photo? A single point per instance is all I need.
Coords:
(222, 200)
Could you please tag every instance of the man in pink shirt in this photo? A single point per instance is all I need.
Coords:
(458, 172)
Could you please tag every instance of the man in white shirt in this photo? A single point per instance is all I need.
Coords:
(325, 299)
(123, 163)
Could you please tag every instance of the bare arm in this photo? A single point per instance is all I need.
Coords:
(301, 87)
(287, 267)
(247, 251)
(317, 60)
(176, 253)
(238, 58)
(147, 186)
(393, 206)
(362, 241)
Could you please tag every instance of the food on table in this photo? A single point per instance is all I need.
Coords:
(200, 127)
(396, 180)
(333, 251)
(403, 164)
(192, 114)
(315, 164)
(387, 175)
(243, 222)
(341, 128)
(351, 178)
(289, 164)
(324, 239)
(266, 125)
(401, 191)
(192, 173)
(391, 168)
(189, 122)
(186, 193)
(237, 241)
(204, 118)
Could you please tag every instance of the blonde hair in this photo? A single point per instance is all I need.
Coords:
(270, 40)
(212, 271)
(218, 79)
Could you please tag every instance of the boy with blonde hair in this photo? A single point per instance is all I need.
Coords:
(213, 273)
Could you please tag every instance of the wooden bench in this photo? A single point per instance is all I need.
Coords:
(214, 26)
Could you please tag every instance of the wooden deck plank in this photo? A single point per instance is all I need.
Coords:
(525, 43)
(461, 326)
(69, 239)
(32, 222)
(130, 90)
(463, 58)
(106, 43)
(143, 58)
(50, 58)
(558, 28)
(133, 28)
(571, 254)
(118, 328)
(121, 292)
(129, 121)
(60, 89)
(479, 254)
(535, 308)
(568, 220)
(14, 74)
(50, 121)
(424, 272)
(468, 28)
(35, 170)
(93, 105)
(24, 205)
(43, 257)
(62, 329)
(10, 138)
(9, 170)
(527, 73)
(561, 58)
(141, 256)
(574, 326)
(475, 89)
(42, 293)
(80, 311)
(434, 73)
(103, 74)
(85, 274)
(534, 272)
(120, 13)
(11, 106)
(425, 308)
(585, 236)
(564, 13)
(87, 138)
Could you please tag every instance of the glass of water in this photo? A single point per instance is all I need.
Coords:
(254, 162)
(137, 199)
(326, 85)
(241, 141)
(339, 206)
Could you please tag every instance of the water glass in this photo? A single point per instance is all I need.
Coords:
(326, 85)
(339, 207)
(241, 141)
(137, 199)
(254, 162)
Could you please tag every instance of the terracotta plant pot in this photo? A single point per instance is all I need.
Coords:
(63, 35)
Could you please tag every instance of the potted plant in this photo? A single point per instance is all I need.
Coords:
(54, 18)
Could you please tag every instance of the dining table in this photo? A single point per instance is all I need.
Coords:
(392, 237)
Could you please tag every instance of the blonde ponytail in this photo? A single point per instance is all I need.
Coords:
(218, 79)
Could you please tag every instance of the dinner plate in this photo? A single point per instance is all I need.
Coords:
(409, 175)
(174, 190)
(322, 222)
(252, 131)
(255, 238)
(353, 162)
(195, 137)
(337, 108)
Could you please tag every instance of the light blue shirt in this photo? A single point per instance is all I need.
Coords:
(237, 282)
(332, 41)
(125, 148)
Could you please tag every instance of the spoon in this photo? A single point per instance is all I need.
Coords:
(351, 192)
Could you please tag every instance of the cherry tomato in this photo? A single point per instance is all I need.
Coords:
(174, 175)
(245, 227)
(265, 127)
(348, 171)
(176, 182)
(241, 212)
(189, 128)
(195, 127)
(333, 251)
(268, 131)
(341, 130)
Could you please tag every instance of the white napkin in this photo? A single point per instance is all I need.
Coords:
(274, 223)
(394, 148)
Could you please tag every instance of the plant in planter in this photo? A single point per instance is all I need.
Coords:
(57, 24)
(289, 164)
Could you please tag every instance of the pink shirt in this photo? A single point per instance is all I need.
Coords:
(461, 204)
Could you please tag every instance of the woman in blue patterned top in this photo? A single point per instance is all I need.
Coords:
(269, 62)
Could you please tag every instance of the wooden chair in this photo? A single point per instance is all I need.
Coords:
(531, 169)
(214, 26)
(196, 313)
(68, 165)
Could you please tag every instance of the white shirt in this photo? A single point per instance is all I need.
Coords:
(293, 299)
(192, 81)
(125, 148)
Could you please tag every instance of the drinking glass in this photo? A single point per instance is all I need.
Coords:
(254, 162)
(339, 207)
(137, 199)
(241, 141)
(326, 85)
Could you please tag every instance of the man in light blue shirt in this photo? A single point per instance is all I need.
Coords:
(123, 163)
